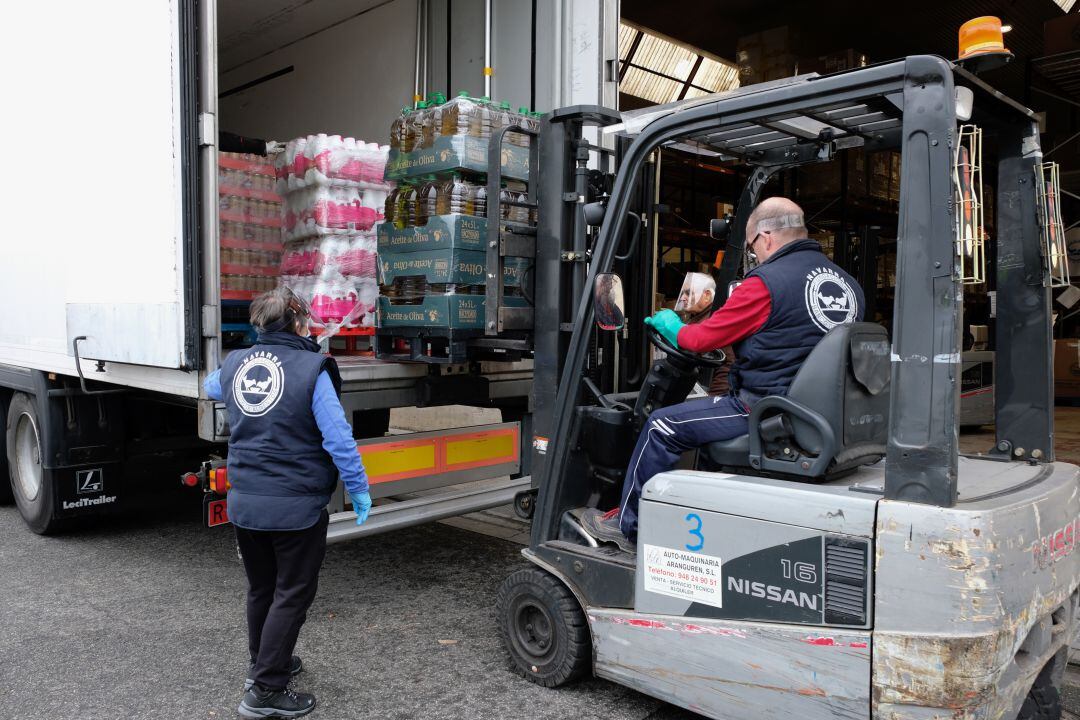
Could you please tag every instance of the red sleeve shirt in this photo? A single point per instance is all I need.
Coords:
(745, 312)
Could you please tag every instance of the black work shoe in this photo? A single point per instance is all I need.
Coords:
(296, 666)
(261, 703)
(604, 527)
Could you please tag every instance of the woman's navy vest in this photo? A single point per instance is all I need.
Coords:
(810, 296)
(280, 475)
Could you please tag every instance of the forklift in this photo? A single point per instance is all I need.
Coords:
(842, 559)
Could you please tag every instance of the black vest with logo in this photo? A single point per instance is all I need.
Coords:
(810, 296)
(281, 477)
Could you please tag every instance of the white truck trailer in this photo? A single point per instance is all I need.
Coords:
(110, 266)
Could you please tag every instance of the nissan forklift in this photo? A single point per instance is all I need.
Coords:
(842, 559)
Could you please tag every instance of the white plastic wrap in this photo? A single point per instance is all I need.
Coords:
(249, 211)
(331, 160)
(334, 199)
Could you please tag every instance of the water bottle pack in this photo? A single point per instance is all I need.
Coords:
(329, 210)
(330, 160)
(334, 196)
(249, 225)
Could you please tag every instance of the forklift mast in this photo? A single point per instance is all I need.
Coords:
(910, 105)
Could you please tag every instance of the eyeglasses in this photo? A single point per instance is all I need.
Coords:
(750, 245)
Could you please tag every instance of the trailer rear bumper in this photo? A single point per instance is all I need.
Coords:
(448, 502)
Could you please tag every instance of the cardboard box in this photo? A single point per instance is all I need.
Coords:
(1067, 367)
(456, 312)
(461, 267)
(1061, 34)
(836, 62)
(456, 152)
(442, 232)
(824, 179)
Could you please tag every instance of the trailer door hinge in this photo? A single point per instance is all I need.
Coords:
(207, 129)
(211, 325)
(571, 256)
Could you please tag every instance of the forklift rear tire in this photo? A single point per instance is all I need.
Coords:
(1043, 701)
(31, 483)
(543, 628)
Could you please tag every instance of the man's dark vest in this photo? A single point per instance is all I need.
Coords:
(810, 296)
(280, 475)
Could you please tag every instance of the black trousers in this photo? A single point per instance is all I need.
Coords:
(283, 574)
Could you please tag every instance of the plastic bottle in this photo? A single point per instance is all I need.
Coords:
(454, 196)
(456, 115)
(404, 206)
(501, 116)
(522, 118)
(416, 125)
(390, 207)
(480, 118)
(427, 200)
(433, 124)
(477, 200)
(506, 196)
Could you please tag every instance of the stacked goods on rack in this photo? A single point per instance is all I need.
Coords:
(334, 193)
(433, 245)
(249, 210)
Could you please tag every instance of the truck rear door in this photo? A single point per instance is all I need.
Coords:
(101, 132)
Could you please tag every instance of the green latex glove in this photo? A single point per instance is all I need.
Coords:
(668, 324)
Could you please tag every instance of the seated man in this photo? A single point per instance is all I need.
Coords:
(695, 306)
(774, 319)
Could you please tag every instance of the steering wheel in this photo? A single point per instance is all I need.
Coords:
(711, 359)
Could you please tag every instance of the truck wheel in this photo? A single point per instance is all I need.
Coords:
(543, 628)
(6, 497)
(31, 484)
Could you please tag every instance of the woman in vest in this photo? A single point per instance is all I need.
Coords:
(288, 442)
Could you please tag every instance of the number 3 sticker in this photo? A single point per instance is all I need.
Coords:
(695, 532)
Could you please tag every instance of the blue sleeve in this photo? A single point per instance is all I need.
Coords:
(212, 385)
(337, 435)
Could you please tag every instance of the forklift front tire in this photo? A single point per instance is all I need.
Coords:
(543, 628)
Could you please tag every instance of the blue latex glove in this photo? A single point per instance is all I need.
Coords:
(668, 324)
(361, 503)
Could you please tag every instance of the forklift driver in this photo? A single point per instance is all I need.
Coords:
(774, 319)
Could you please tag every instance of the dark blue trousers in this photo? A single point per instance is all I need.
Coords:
(670, 432)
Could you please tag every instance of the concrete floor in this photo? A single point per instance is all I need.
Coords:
(144, 619)
(1066, 436)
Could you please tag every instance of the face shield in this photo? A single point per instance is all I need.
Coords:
(696, 295)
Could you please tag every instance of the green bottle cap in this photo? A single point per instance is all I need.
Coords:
(463, 93)
(421, 105)
(485, 99)
(523, 110)
(504, 105)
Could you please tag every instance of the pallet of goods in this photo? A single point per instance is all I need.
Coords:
(333, 194)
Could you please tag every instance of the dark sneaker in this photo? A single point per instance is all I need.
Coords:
(260, 703)
(605, 527)
(295, 668)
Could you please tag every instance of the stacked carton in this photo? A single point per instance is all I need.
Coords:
(249, 230)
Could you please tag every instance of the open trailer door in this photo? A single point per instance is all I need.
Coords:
(105, 143)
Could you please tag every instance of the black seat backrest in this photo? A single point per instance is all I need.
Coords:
(846, 380)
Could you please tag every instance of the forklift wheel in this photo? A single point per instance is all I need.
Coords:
(543, 628)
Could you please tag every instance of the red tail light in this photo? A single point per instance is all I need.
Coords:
(219, 481)
(190, 479)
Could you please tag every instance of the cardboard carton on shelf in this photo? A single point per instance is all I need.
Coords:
(1067, 368)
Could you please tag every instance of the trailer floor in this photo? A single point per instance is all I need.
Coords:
(145, 619)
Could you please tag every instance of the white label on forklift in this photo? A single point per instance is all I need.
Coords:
(682, 574)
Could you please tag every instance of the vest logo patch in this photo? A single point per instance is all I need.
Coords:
(829, 299)
(258, 383)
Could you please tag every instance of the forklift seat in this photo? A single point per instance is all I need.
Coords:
(834, 418)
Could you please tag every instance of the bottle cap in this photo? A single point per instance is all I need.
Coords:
(504, 105)
(463, 93)
(523, 110)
